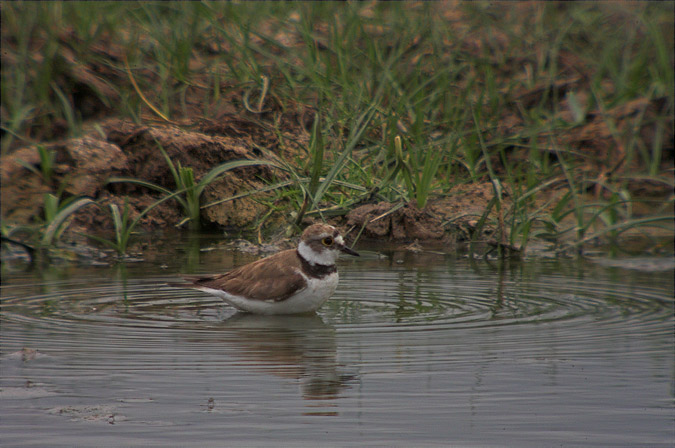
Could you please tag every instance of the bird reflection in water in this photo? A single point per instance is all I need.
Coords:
(298, 347)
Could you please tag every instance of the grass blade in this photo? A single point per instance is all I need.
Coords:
(357, 131)
(60, 217)
(227, 166)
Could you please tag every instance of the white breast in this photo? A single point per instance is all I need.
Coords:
(313, 296)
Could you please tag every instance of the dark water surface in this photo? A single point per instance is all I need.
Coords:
(413, 350)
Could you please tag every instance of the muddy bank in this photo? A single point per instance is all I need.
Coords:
(548, 119)
(84, 165)
(121, 148)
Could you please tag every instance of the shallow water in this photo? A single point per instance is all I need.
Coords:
(412, 350)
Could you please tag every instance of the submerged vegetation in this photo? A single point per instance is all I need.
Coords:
(504, 123)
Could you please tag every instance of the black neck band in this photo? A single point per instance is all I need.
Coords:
(316, 270)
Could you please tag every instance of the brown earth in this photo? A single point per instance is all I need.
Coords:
(448, 219)
(84, 165)
(119, 147)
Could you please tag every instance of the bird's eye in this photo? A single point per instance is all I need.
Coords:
(328, 241)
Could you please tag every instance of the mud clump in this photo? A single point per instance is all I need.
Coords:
(449, 219)
(83, 167)
(404, 224)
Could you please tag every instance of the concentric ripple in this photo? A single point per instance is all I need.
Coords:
(584, 348)
(445, 300)
(376, 299)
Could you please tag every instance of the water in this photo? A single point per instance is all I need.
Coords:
(413, 350)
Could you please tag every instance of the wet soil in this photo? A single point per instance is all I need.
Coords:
(111, 146)
(84, 165)
(120, 147)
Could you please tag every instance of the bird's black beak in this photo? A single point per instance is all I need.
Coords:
(349, 251)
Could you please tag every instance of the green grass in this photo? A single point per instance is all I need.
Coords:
(46, 168)
(409, 99)
(48, 229)
(188, 190)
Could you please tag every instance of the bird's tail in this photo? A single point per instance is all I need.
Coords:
(191, 281)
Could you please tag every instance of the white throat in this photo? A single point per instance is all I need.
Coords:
(325, 257)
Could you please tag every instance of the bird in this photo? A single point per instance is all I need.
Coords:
(293, 281)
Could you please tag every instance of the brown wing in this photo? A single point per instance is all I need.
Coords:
(274, 278)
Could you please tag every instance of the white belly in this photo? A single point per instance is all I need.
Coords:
(306, 300)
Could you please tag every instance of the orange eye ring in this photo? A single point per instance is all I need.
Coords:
(328, 241)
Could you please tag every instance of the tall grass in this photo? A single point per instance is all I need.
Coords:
(408, 99)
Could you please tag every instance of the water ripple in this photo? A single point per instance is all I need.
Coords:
(367, 301)
(574, 345)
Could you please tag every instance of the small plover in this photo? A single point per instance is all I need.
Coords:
(292, 281)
